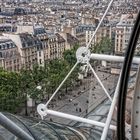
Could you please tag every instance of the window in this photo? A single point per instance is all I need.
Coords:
(8, 46)
(15, 68)
(39, 53)
(3, 47)
(7, 54)
(40, 61)
(14, 61)
(10, 62)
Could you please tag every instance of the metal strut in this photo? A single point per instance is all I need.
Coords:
(83, 56)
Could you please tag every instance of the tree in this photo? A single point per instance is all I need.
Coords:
(10, 95)
(70, 55)
(14, 87)
(29, 81)
(57, 72)
(105, 46)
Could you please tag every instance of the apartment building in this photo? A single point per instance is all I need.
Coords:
(42, 51)
(53, 45)
(123, 32)
(9, 56)
(61, 45)
(104, 31)
(80, 35)
(27, 47)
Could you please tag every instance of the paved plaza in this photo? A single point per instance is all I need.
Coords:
(85, 98)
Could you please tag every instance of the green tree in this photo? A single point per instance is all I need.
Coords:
(105, 46)
(70, 55)
(10, 95)
(57, 72)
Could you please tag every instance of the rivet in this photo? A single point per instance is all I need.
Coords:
(137, 112)
(138, 97)
(136, 126)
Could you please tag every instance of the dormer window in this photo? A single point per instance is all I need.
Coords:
(11, 45)
(3, 47)
(8, 46)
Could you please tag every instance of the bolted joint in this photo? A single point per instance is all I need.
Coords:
(42, 110)
(83, 55)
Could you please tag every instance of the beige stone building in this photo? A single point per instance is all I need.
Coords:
(35, 45)
(9, 56)
(61, 45)
(123, 32)
(72, 35)
(53, 45)
(104, 31)
(80, 34)
(27, 47)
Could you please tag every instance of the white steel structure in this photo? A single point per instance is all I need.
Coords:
(42, 108)
(84, 56)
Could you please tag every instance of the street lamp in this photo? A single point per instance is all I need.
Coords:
(30, 101)
(39, 87)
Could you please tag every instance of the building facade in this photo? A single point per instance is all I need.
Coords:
(10, 58)
(123, 32)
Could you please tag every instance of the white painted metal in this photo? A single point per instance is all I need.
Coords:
(112, 58)
(98, 79)
(112, 108)
(83, 55)
(44, 111)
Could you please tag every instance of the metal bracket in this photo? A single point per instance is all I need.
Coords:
(43, 111)
(83, 55)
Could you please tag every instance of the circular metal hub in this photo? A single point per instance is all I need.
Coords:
(83, 55)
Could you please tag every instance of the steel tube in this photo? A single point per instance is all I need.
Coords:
(109, 116)
(101, 84)
(114, 58)
(13, 128)
(76, 118)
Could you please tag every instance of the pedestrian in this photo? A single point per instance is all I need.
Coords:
(70, 100)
